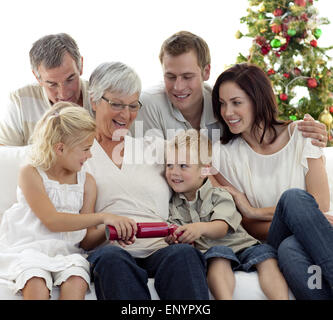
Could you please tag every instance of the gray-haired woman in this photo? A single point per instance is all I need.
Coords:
(136, 189)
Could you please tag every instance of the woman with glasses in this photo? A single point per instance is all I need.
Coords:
(130, 182)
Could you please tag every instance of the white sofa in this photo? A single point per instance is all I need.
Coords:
(247, 285)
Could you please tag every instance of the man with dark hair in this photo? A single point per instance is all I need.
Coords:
(56, 63)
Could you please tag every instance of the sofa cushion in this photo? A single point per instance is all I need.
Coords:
(11, 158)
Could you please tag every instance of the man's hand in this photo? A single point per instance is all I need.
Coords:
(314, 130)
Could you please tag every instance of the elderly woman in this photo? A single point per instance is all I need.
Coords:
(138, 190)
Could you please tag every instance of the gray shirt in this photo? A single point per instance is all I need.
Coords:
(211, 203)
(159, 117)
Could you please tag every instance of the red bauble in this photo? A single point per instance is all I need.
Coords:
(304, 17)
(260, 40)
(312, 83)
(286, 75)
(265, 49)
(301, 3)
(276, 28)
(270, 71)
(331, 109)
(313, 43)
(297, 72)
(283, 97)
(278, 12)
(284, 47)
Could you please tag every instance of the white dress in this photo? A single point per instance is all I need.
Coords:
(263, 178)
(25, 243)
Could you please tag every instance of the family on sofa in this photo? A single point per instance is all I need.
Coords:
(129, 181)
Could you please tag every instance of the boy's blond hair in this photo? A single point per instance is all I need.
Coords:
(192, 140)
(65, 122)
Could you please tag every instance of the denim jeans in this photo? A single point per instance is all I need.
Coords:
(179, 271)
(244, 260)
(304, 240)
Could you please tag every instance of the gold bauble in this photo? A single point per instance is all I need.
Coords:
(326, 118)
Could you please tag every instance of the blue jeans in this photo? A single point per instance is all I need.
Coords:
(244, 260)
(179, 272)
(303, 237)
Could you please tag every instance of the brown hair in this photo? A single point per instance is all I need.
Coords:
(255, 83)
(183, 42)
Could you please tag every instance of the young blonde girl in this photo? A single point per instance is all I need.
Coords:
(40, 235)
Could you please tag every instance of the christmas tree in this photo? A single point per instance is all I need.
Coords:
(286, 45)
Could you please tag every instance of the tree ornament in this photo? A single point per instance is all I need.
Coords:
(278, 12)
(312, 83)
(286, 75)
(293, 118)
(297, 72)
(276, 28)
(283, 97)
(326, 118)
(276, 43)
(284, 47)
(304, 17)
(238, 35)
(317, 33)
(260, 40)
(270, 72)
(291, 32)
(300, 3)
(265, 49)
(331, 109)
(313, 43)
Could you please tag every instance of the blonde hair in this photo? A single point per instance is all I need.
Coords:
(65, 122)
(192, 140)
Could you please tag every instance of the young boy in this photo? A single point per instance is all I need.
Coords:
(208, 219)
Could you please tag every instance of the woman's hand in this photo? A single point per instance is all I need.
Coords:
(126, 228)
(241, 201)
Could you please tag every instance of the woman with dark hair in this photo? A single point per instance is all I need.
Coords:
(260, 159)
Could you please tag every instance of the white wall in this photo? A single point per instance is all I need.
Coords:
(131, 31)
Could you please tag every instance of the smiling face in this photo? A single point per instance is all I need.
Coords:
(236, 108)
(182, 175)
(61, 83)
(73, 158)
(183, 80)
(110, 123)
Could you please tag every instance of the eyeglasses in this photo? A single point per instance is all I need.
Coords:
(134, 107)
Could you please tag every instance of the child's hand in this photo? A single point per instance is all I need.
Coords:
(189, 233)
(126, 227)
(171, 239)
